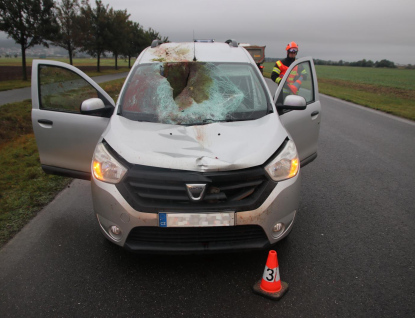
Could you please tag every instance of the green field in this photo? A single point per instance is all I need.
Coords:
(389, 77)
(388, 90)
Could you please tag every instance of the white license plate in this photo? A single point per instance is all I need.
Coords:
(196, 219)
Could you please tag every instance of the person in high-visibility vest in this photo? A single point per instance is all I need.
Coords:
(296, 76)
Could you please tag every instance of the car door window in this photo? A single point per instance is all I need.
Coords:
(302, 125)
(299, 82)
(62, 90)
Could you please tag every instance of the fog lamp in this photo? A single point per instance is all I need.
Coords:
(278, 227)
(115, 231)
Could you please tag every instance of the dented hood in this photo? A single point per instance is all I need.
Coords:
(211, 147)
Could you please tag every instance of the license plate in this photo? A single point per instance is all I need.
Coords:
(196, 219)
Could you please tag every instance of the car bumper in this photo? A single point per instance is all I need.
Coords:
(140, 231)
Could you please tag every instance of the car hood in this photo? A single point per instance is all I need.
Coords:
(211, 147)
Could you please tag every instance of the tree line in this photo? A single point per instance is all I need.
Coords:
(75, 26)
(361, 63)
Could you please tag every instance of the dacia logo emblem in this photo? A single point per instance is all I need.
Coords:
(196, 191)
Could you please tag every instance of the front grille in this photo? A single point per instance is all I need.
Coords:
(196, 238)
(149, 189)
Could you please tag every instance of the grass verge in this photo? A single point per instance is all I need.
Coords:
(24, 188)
(13, 84)
(399, 102)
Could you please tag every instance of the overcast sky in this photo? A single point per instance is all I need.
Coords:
(350, 30)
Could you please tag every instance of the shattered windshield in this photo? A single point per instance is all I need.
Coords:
(193, 93)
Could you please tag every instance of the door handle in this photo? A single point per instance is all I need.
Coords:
(45, 121)
(315, 113)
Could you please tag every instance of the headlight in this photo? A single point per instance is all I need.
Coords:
(105, 167)
(285, 165)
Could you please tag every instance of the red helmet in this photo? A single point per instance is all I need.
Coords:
(292, 46)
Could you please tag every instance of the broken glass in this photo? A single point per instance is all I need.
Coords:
(190, 93)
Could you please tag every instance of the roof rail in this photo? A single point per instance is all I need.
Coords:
(232, 42)
(156, 43)
(204, 40)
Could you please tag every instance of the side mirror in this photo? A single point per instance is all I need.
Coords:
(293, 102)
(95, 106)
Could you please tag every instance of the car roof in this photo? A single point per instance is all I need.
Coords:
(204, 52)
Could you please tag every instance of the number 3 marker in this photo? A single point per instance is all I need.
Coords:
(271, 274)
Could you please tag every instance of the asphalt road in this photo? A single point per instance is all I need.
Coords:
(350, 254)
(17, 95)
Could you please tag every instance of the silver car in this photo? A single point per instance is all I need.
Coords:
(196, 155)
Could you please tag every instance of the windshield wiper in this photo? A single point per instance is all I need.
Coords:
(208, 121)
(211, 120)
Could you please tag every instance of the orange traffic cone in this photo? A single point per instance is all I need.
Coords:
(270, 285)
